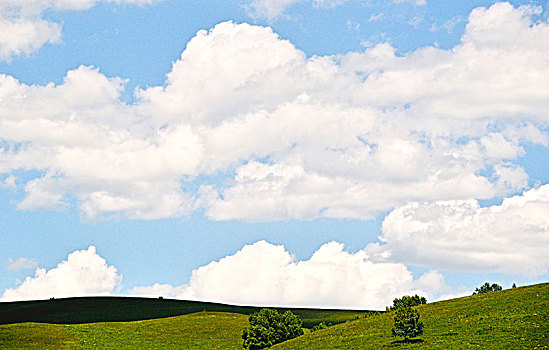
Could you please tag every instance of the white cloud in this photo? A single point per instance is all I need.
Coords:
(83, 273)
(266, 274)
(272, 9)
(95, 149)
(460, 235)
(449, 25)
(285, 136)
(416, 2)
(269, 9)
(21, 264)
(23, 30)
(377, 17)
(23, 36)
(9, 182)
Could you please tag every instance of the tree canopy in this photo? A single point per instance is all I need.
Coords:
(487, 288)
(268, 327)
(406, 301)
(407, 323)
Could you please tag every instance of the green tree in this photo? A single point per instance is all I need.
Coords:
(268, 327)
(407, 301)
(407, 323)
(487, 288)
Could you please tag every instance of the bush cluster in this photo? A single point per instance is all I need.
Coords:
(487, 288)
(268, 327)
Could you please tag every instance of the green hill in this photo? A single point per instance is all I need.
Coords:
(203, 330)
(123, 309)
(511, 319)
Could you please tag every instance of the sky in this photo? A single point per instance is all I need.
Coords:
(322, 153)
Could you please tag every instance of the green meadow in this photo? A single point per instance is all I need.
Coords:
(511, 319)
(203, 330)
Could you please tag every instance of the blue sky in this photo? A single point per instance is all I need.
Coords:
(317, 153)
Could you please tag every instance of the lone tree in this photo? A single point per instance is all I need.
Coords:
(406, 301)
(407, 323)
(487, 288)
(268, 327)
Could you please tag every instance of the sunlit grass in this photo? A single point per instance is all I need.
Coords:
(510, 319)
(205, 330)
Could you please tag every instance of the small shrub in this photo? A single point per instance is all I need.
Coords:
(487, 288)
(407, 323)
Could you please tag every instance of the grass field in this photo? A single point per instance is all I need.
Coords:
(510, 319)
(203, 330)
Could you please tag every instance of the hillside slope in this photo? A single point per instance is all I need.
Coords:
(123, 309)
(203, 330)
(511, 319)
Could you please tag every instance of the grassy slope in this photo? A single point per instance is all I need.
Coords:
(510, 319)
(203, 330)
(118, 309)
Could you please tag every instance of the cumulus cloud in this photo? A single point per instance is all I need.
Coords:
(267, 274)
(247, 127)
(95, 148)
(23, 30)
(23, 36)
(461, 235)
(21, 264)
(83, 273)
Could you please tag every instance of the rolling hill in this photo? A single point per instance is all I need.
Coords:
(124, 309)
(513, 319)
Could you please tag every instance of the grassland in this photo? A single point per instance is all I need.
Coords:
(203, 330)
(510, 319)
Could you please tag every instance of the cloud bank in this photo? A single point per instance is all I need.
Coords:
(509, 238)
(247, 127)
(267, 274)
(83, 273)
(258, 274)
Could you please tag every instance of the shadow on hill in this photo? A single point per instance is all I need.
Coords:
(124, 309)
(406, 341)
